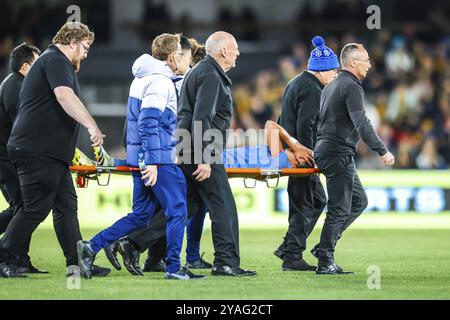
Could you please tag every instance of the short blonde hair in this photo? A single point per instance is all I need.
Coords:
(73, 31)
(164, 45)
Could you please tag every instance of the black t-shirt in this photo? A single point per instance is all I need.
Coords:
(42, 126)
(9, 104)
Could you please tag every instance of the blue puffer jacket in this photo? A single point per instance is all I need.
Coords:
(151, 114)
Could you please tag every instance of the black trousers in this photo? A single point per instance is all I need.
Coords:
(7, 214)
(10, 188)
(46, 184)
(307, 200)
(216, 194)
(152, 237)
(346, 199)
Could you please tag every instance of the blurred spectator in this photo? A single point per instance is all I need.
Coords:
(287, 69)
(428, 157)
(405, 153)
(261, 112)
(241, 98)
(372, 114)
(398, 59)
(366, 159)
(402, 101)
(6, 46)
(300, 55)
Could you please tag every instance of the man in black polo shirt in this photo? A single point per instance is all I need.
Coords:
(42, 144)
(299, 116)
(21, 60)
(342, 121)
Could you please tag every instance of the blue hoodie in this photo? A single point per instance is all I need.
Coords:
(151, 114)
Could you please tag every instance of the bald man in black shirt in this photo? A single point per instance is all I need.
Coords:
(342, 122)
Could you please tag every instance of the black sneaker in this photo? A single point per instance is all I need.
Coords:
(154, 264)
(183, 274)
(279, 252)
(99, 272)
(8, 270)
(27, 267)
(86, 257)
(199, 264)
(315, 251)
(229, 271)
(111, 254)
(130, 254)
(296, 265)
(331, 268)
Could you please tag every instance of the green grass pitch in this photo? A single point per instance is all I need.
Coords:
(414, 264)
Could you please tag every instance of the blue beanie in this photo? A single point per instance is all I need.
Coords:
(322, 58)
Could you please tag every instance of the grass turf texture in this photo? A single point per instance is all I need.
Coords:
(413, 263)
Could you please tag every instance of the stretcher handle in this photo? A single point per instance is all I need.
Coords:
(107, 180)
(276, 184)
(248, 186)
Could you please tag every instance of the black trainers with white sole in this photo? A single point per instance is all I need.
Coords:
(183, 274)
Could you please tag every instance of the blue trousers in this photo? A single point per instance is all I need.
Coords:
(194, 232)
(169, 193)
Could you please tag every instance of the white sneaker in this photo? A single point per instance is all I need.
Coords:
(73, 271)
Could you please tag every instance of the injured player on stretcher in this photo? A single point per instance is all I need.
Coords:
(280, 150)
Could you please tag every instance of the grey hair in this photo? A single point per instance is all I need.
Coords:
(213, 46)
(347, 52)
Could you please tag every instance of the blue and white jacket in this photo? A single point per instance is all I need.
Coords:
(152, 113)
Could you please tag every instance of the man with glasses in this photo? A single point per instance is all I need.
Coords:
(42, 144)
(151, 121)
(342, 122)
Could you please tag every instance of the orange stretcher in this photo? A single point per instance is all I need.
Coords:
(86, 173)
